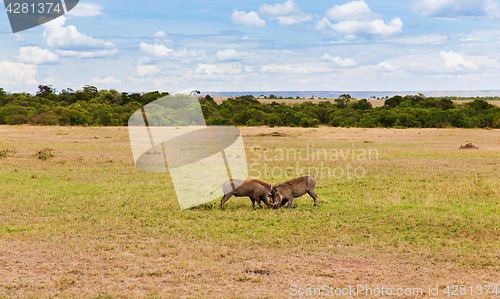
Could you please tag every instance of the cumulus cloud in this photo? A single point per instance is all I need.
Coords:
(159, 34)
(162, 52)
(355, 10)
(449, 63)
(35, 55)
(209, 69)
(352, 29)
(145, 70)
(215, 71)
(228, 55)
(356, 19)
(85, 9)
(456, 62)
(453, 9)
(250, 19)
(339, 61)
(106, 80)
(384, 66)
(57, 36)
(87, 54)
(14, 73)
(287, 13)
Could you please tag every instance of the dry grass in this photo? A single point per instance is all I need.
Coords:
(87, 224)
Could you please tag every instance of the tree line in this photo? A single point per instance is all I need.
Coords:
(92, 107)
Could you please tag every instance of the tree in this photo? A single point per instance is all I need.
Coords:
(90, 90)
(343, 100)
(393, 102)
(362, 104)
(67, 91)
(44, 90)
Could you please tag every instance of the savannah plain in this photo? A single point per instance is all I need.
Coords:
(86, 223)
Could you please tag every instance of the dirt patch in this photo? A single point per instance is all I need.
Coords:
(44, 271)
(468, 146)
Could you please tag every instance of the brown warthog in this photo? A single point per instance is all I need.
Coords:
(257, 189)
(287, 191)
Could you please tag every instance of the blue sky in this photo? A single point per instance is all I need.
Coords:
(259, 45)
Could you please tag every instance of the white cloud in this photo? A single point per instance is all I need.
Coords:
(85, 9)
(53, 80)
(14, 73)
(352, 29)
(145, 70)
(492, 9)
(57, 36)
(87, 54)
(159, 34)
(456, 62)
(250, 19)
(356, 19)
(108, 81)
(339, 61)
(384, 66)
(355, 10)
(287, 13)
(228, 55)
(448, 63)
(283, 68)
(162, 52)
(18, 38)
(209, 69)
(35, 55)
(449, 8)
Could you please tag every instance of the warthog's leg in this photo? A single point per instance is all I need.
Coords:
(259, 201)
(313, 195)
(284, 202)
(224, 199)
(255, 199)
(264, 199)
(290, 201)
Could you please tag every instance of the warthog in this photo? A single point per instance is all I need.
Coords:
(257, 189)
(287, 191)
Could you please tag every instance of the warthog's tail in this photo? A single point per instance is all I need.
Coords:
(217, 188)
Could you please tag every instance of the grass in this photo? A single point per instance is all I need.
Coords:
(87, 223)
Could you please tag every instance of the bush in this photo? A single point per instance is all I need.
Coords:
(44, 154)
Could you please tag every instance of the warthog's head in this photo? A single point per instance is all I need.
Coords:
(269, 198)
(277, 198)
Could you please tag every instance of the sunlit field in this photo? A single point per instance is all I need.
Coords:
(396, 208)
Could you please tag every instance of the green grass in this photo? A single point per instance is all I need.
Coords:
(418, 202)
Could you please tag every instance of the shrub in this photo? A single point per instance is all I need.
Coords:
(44, 154)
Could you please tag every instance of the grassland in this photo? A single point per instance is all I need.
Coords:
(86, 223)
